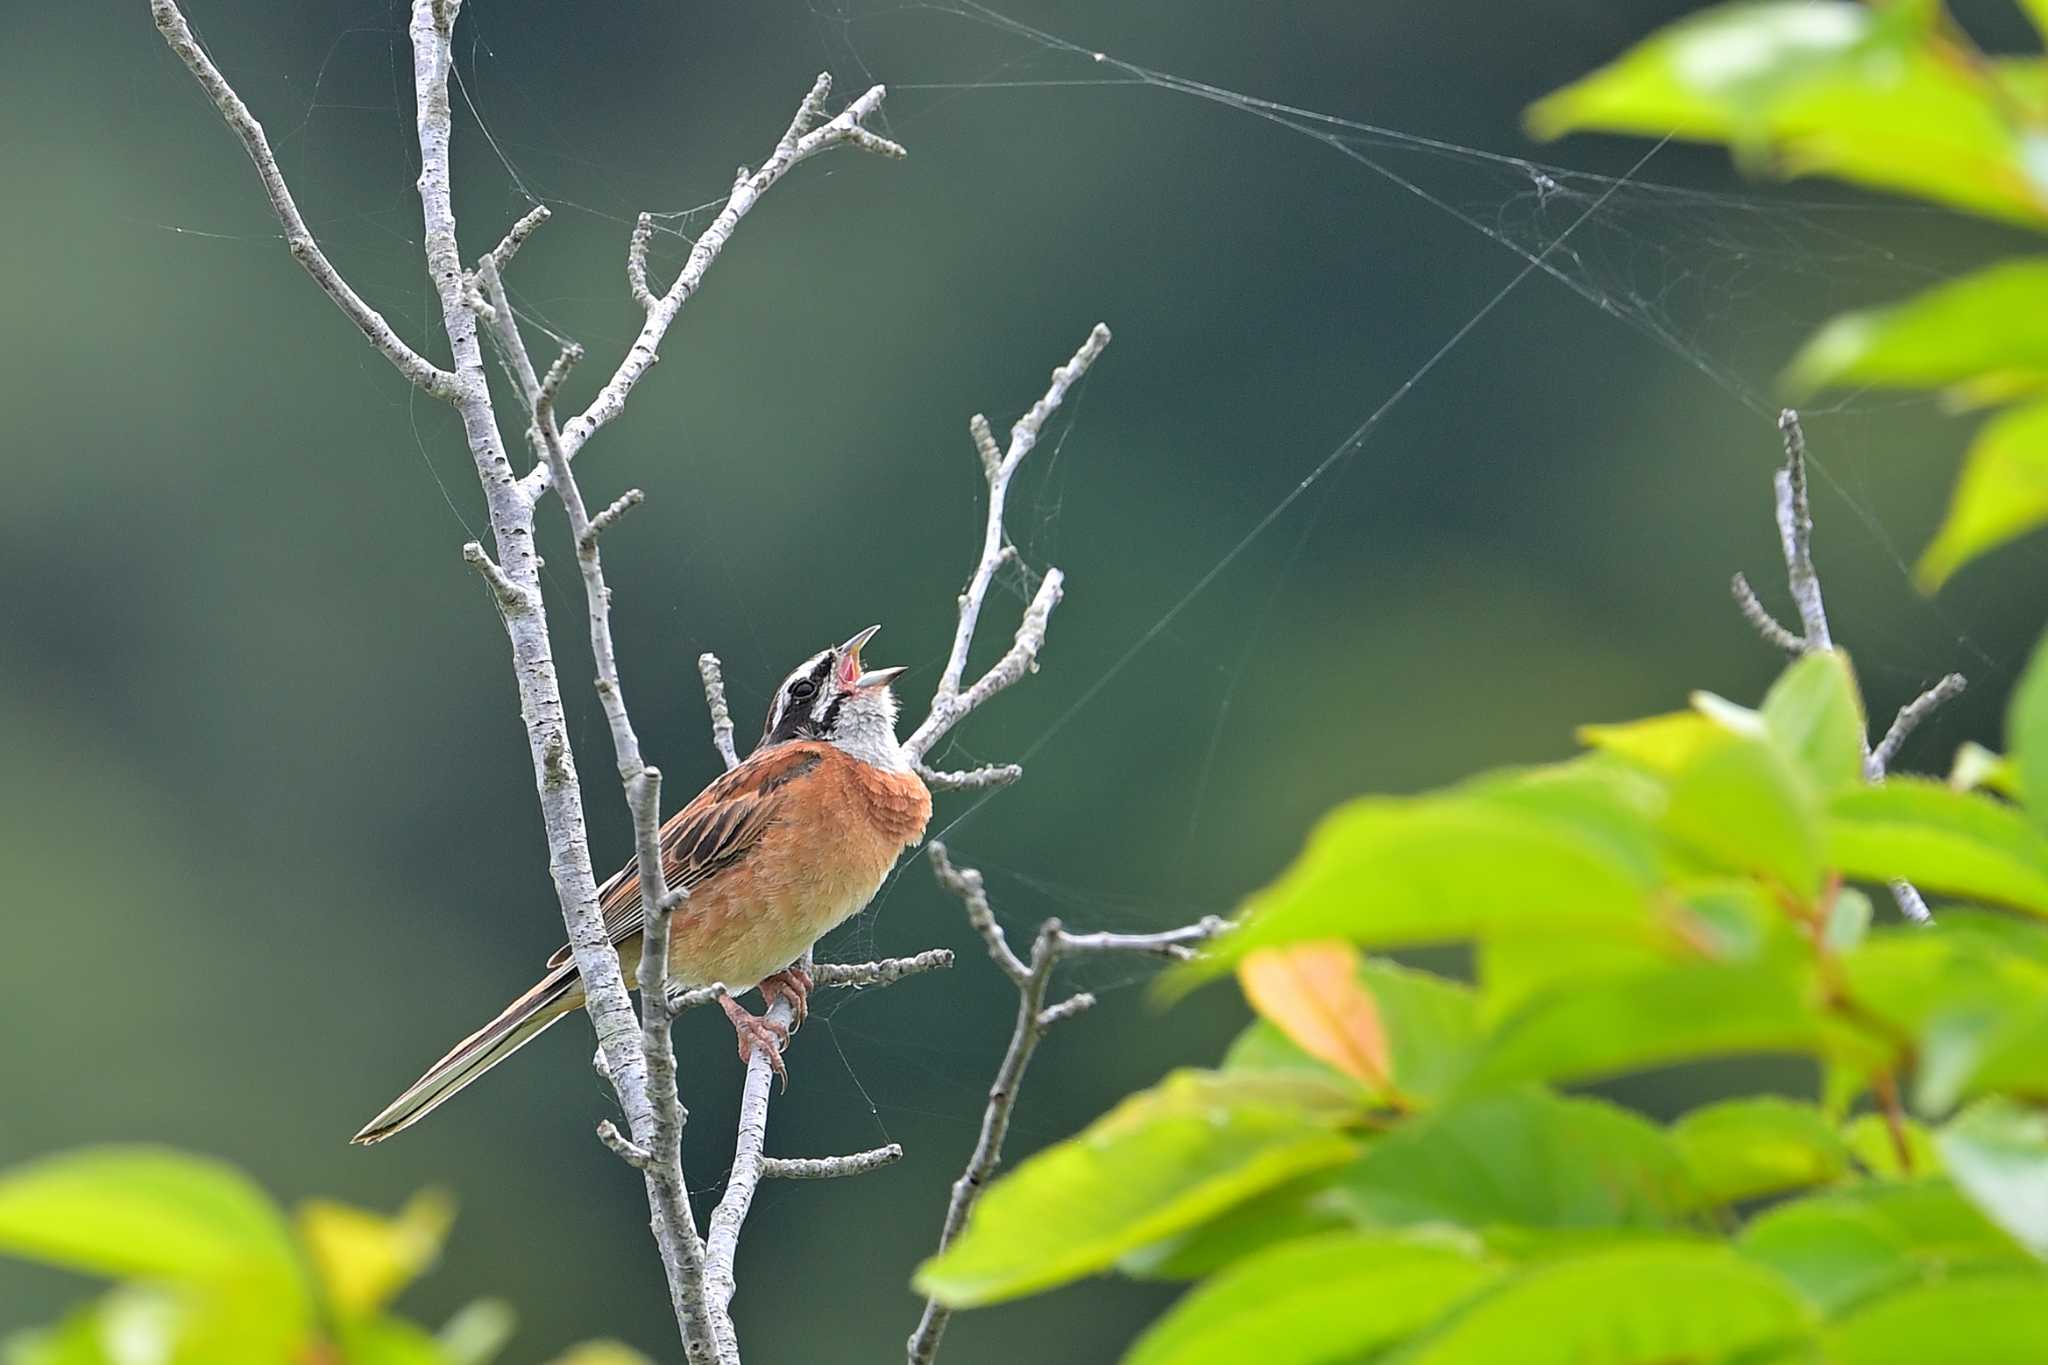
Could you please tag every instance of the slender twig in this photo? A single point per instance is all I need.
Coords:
(830, 1167)
(951, 703)
(721, 714)
(973, 779)
(1795, 538)
(799, 143)
(1754, 611)
(417, 369)
(1909, 718)
(1052, 945)
(636, 263)
(835, 975)
(1795, 533)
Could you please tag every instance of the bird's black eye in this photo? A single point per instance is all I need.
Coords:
(803, 689)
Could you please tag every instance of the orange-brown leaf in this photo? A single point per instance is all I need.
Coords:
(1311, 993)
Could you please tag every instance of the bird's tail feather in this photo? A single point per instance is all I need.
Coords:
(517, 1024)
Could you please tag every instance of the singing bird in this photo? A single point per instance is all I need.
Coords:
(773, 854)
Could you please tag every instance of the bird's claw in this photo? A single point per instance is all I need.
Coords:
(754, 1031)
(793, 982)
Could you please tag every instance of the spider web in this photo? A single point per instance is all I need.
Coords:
(1725, 283)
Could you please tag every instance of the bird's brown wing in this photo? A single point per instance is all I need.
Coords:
(714, 832)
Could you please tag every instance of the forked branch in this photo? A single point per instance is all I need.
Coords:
(1795, 539)
(1033, 980)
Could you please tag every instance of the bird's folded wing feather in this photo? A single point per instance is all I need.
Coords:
(716, 831)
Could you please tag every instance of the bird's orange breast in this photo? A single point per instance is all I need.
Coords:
(836, 836)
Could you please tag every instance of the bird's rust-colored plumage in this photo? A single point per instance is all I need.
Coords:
(773, 854)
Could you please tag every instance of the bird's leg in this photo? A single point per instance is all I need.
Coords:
(792, 981)
(755, 1031)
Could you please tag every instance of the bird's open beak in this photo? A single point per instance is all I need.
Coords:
(852, 676)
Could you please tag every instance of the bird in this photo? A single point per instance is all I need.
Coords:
(792, 841)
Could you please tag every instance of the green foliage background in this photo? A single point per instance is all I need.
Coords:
(261, 751)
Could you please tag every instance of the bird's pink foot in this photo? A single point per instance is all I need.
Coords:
(793, 982)
(755, 1031)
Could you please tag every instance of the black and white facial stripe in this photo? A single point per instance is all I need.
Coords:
(807, 704)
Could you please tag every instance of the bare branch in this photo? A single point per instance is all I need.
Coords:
(636, 263)
(798, 144)
(1754, 611)
(1909, 718)
(511, 596)
(1795, 533)
(623, 1147)
(950, 703)
(1034, 1017)
(417, 369)
(830, 1167)
(966, 884)
(605, 520)
(835, 975)
(500, 256)
(721, 714)
(1794, 512)
(973, 779)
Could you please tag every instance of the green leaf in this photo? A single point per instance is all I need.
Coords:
(1997, 1152)
(602, 1353)
(1837, 1252)
(365, 1258)
(2001, 494)
(1740, 806)
(1164, 1160)
(1939, 839)
(1806, 86)
(1842, 1246)
(1992, 1318)
(1977, 767)
(478, 1331)
(2026, 723)
(1741, 1149)
(1644, 1304)
(1430, 1026)
(1527, 1159)
(1976, 1010)
(1871, 1141)
(1302, 1207)
(1325, 1299)
(145, 1211)
(1814, 713)
(388, 1341)
(1390, 873)
(1660, 744)
(1993, 322)
(1608, 1026)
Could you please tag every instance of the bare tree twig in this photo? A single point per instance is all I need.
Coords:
(421, 372)
(1795, 538)
(721, 714)
(1909, 718)
(1034, 1017)
(836, 975)
(950, 703)
(973, 779)
(830, 1167)
(799, 143)
(1754, 611)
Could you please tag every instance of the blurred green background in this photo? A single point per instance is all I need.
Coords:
(270, 841)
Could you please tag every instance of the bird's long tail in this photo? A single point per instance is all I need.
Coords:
(558, 993)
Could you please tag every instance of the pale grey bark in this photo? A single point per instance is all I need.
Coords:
(1794, 512)
(634, 1049)
(1033, 979)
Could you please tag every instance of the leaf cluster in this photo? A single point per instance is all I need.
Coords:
(1386, 1165)
(1893, 96)
(213, 1272)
